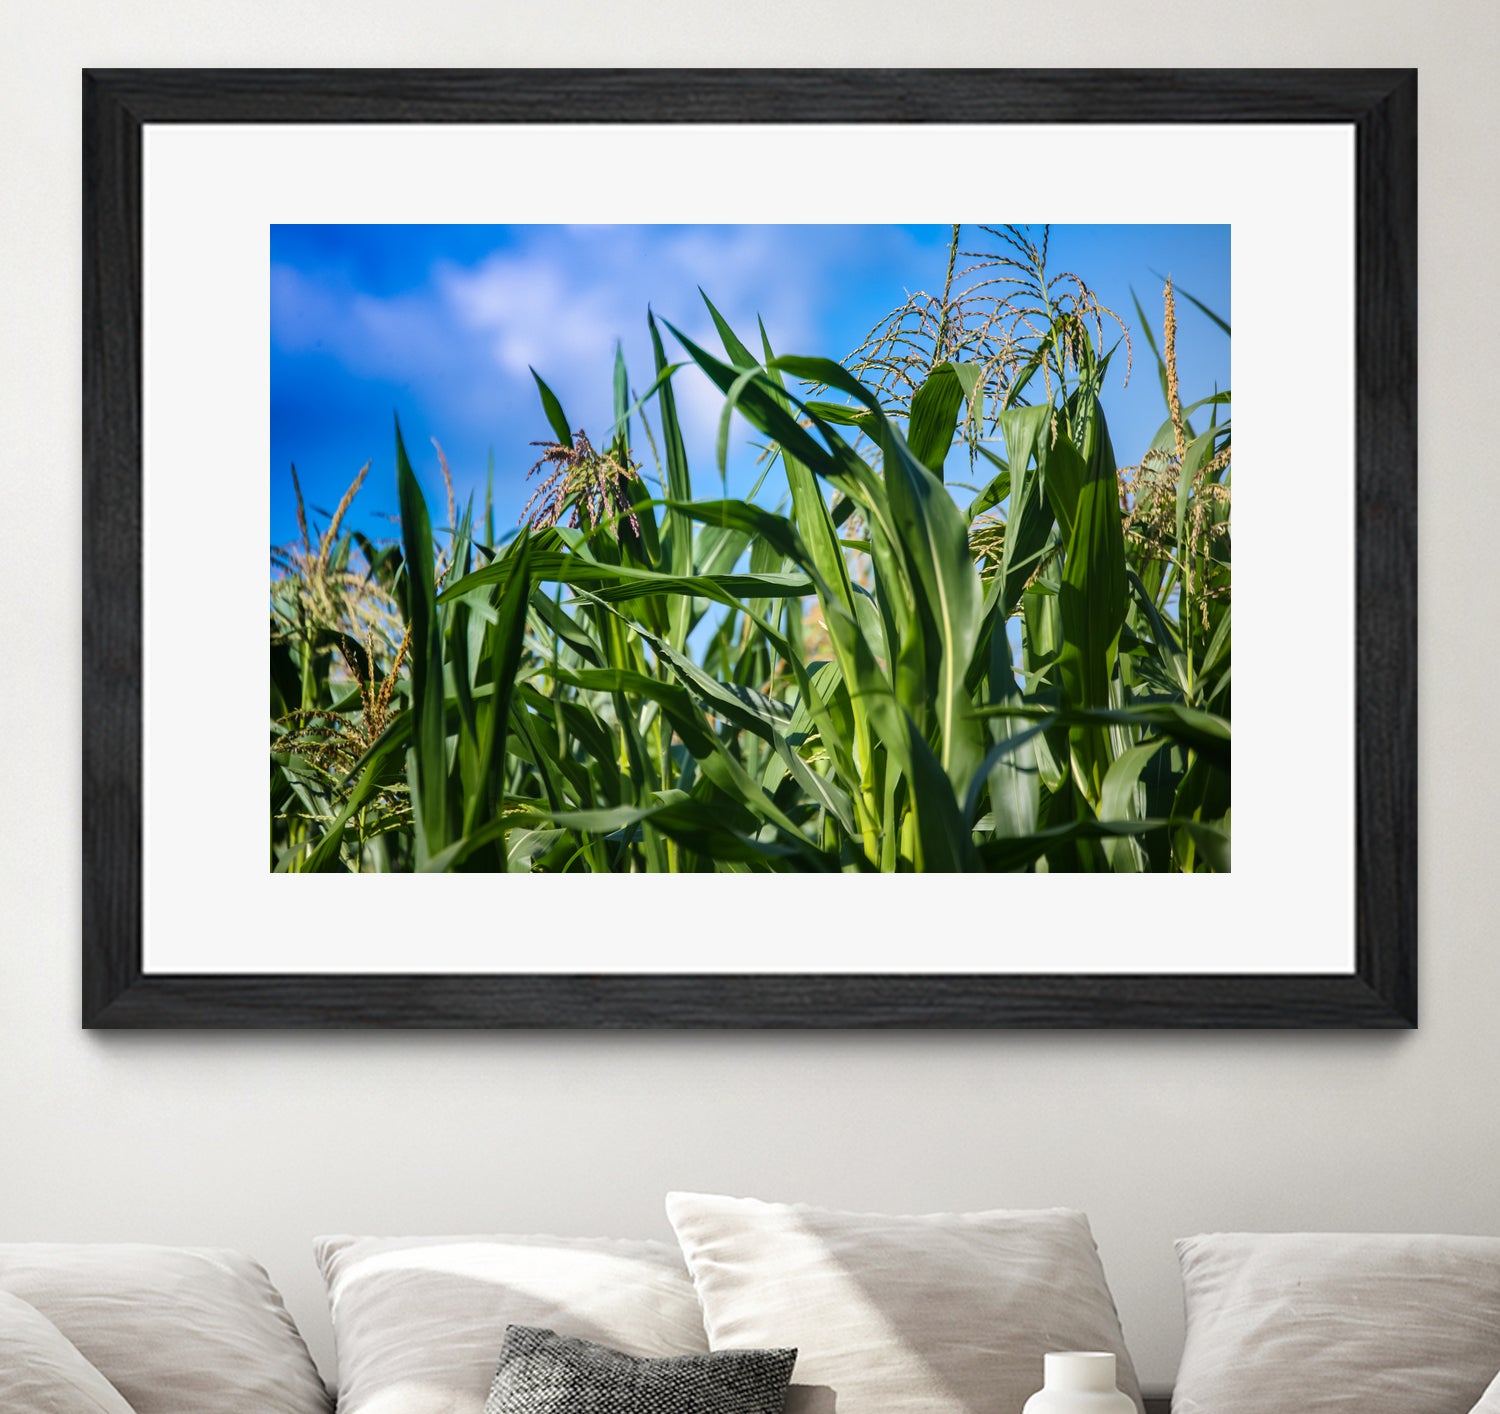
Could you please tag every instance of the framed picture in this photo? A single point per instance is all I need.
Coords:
(794, 588)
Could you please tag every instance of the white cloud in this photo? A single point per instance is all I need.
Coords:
(560, 300)
(528, 311)
(402, 337)
(557, 299)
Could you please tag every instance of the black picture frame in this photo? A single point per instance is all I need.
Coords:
(1381, 106)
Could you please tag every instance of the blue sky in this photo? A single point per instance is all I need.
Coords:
(440, 323)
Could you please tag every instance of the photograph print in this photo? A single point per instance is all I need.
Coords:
(750, 549)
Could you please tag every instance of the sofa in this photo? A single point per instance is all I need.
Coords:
(755, 1306)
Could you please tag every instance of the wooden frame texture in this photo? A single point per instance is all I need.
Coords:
(1381, 105)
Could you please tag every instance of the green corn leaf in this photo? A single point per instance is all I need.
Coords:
(505, 637)
(1201, 812)
(679, 482)
(930, 586)
(489, 502)
(765, 718)
(726, 589)
(767, 406)
(759, 526)
(555, 415)
(622, 396)
(620, 582)
(1028, 524)
(662, 375)
(1218, 647)
(1092, 596)
(840, 413)
(1123, 799)
(565, 628)
(644, 508)
(1064, 473)
(945, 840)
(375, 769)
(768, 719)
(677, 532)
(716, 763)
(936, 545)
(1199, 451)
(739, 355)
(995, 491)
(1210, 842)
(1011, 856)
(1166, 435)
(1165, 642)
(718, 548)
(1013, 777)
(1203, 732)
(848, 619)
(934, 415)
(455, 623)
(428, 768)
(701, 827)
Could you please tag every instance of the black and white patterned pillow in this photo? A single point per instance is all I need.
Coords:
(544, 1373)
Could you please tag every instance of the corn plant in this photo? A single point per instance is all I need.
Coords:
(877, 670)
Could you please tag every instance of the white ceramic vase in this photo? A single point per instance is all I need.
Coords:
(1079, 1382)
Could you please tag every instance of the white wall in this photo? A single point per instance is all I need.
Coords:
(262, 1141)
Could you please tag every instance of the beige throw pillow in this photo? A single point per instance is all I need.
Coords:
(175, 1330)
(949, 1313)
(41, 1371)
(1335, 1323)
(419, 1321)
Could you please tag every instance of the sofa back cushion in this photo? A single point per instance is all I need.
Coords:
(419, 1321)
(1337, 1323)
(175, 1330)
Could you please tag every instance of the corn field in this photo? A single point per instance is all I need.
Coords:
(948, 630)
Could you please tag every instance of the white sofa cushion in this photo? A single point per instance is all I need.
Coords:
(949, 1313)
(41, 1371)
(419, 1321)
(175, 1330)
(1325, 1322)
